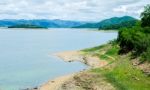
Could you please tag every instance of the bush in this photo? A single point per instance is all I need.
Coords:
(146, 55)
(146, 30)
(135, 40)
(141, 42)
(126, 39)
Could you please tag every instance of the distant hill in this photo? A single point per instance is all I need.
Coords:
(88, 25)
(67, 23)
(112, 23)
(125, 24)
(26, 26)
(41, 22)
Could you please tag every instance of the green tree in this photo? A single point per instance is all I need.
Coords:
(145, 16)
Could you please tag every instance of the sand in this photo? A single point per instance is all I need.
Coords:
(70, 56)
(93, 61)
(56, 83)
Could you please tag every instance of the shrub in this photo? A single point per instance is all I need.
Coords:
(135, 40)
(146, 55)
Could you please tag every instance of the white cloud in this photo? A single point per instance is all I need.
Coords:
(133, 9)
(69, 9)
(120, 9)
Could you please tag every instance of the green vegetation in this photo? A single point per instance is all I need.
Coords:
(104, 57)
(112, 51)
(137, 39)
(104, 52)
(120, 71)
(25, 26)
(146, 56)
(132, 45)
(93, 49)
(126, 77)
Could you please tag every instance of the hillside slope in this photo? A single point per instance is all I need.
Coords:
(125, 21)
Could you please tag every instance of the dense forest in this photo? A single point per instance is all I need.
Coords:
(137, 39)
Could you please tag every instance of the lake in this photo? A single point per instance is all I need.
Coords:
(26, 55)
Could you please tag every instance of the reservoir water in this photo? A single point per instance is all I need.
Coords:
(26, 55)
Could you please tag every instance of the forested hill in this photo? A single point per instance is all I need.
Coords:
(112, 23)
(124, 24)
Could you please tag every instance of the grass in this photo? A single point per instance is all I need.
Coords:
(93, 49)
(100, 51)
(121, 73)
(113, 51)
(126, 77)
(104, 57)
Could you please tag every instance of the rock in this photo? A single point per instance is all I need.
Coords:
(52, 81)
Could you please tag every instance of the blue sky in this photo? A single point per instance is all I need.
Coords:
(83, 10)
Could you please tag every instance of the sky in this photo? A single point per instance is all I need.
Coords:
(79, 10)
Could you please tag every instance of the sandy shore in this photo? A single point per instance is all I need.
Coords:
(56, 83)
(70, 56)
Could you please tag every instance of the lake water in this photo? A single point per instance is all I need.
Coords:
(26, 56)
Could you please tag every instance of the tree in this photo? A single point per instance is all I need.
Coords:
(145, 16)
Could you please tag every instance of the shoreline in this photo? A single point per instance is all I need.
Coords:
(71, 56)
(56, 83)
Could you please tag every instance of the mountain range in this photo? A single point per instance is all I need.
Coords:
(41, 22)
(111, 23)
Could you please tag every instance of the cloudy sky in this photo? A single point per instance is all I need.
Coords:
(83, 10)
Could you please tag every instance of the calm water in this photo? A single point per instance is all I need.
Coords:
(26, 58)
